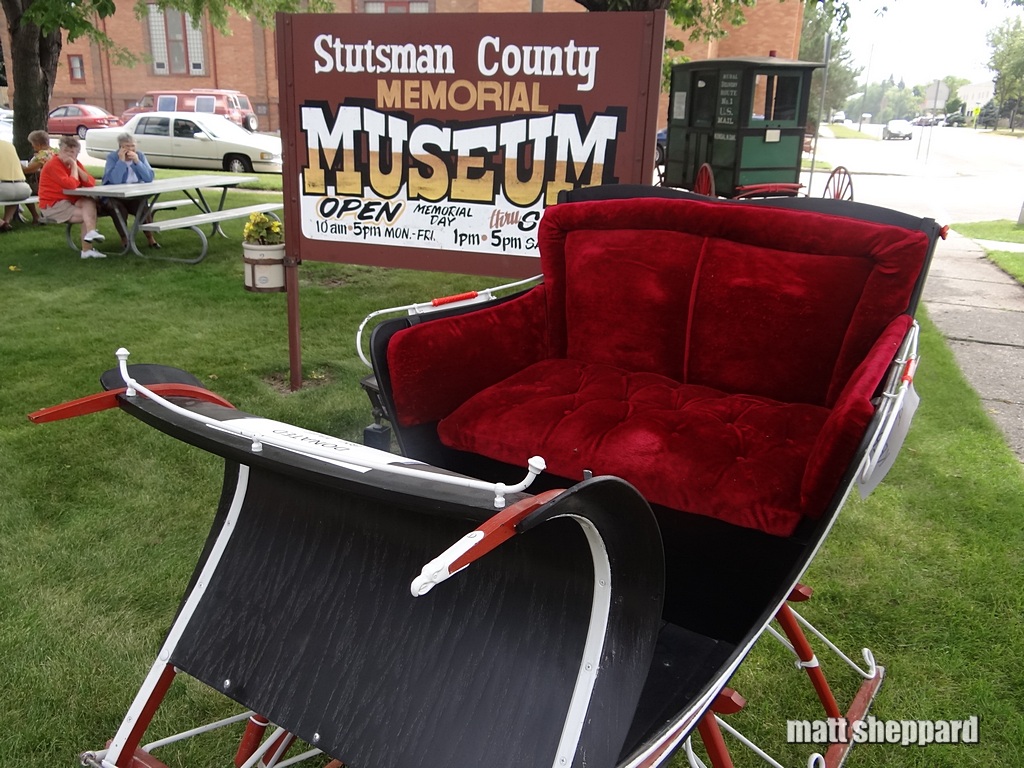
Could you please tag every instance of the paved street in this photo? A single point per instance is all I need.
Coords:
(950, 174)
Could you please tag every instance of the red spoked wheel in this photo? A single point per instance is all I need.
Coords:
(704, 184)
(839, 185)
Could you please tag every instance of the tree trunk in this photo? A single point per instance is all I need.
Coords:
(34, 58)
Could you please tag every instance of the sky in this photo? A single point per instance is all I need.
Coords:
(920, 41)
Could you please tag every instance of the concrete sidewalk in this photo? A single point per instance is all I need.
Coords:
(980, 311)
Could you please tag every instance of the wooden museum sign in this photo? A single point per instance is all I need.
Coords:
(436, 141)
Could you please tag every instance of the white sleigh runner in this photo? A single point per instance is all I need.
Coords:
(412, 614)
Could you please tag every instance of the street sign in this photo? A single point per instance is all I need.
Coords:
(936, 95)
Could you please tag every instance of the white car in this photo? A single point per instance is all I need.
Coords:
(898, 129)
(192, 140)
(7, 125)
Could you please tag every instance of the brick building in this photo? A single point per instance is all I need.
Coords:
(177, 56)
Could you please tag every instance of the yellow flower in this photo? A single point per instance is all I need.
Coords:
(262, 230)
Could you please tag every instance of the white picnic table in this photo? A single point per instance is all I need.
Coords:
(193, 188)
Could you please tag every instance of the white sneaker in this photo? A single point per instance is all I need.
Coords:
(94, 236)
(92, 253)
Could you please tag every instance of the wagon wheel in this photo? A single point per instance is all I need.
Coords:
(704, 184)
(839, 185)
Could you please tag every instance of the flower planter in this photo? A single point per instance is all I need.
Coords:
(264, 267)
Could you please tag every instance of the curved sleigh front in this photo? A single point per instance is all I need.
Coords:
(305, 606)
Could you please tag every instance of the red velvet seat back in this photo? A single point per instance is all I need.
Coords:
(745, 299)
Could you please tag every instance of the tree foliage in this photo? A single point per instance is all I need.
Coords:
(886, 101)
(704, 20)
(1007, 44)
(37, 28)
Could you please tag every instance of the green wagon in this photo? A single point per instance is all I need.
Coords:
(737, 126)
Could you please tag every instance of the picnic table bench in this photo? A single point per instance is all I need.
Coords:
(195, 221)
(31, 200)
(192, 187)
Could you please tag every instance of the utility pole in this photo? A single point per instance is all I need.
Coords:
(821, 110)
(867, 82)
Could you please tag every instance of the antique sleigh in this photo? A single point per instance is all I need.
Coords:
(582, 602)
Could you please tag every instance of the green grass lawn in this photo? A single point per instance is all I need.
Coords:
(102, 517)
(1001, 230)
(1010, 262)
(845, 132)
(819, 165)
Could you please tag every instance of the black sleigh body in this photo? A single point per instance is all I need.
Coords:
(469, 604)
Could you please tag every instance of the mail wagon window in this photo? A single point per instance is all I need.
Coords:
(776, 98)
(166, 103)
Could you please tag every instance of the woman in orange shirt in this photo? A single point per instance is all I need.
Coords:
(65, 172)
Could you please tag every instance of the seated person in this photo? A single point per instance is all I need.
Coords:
(12, 182)
(128, 166)
(41, 152)
(61, 172)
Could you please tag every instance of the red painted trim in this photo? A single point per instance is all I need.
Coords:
(255, 728)
(102, 401)
(131, 744)
(803, 650)
(909, 370)
(783, 188)
(452, 299)
(711, 735)
(800, 593)
(836, 753)
(145, 760)
(728, 702)
(500, 528)
(278, 748)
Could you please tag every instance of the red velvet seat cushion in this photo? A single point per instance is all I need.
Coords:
(739, 458)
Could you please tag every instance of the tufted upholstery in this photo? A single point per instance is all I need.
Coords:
(721, 358)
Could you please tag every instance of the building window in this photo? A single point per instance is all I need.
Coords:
(397, 6)
(176, 43)
(76, 68)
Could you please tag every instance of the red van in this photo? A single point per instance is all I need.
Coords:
(234, 105)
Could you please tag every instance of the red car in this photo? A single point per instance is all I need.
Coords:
(79, 118)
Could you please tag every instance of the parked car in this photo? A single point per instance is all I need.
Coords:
(192, 140)
(897, 129)
(72, 119)
(954, 119)
(234, 105)
(7, 125)
(661, 149)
